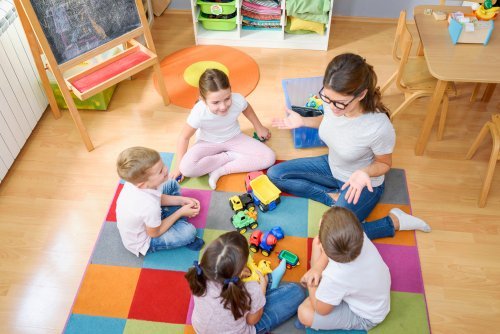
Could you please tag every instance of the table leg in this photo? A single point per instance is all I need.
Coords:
(488, 92)
(430, 117)
(420, 49)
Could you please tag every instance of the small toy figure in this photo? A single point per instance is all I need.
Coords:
(314, 102)
(256, 136)
(292, 260)
(265, 241)
(264, 267)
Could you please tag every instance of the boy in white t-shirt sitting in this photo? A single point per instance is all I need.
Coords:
(150, 211)
(354, 282)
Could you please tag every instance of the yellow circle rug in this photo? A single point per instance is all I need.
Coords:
(182, 70)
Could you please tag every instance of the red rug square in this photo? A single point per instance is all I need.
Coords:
(161, 296)
(111, 217)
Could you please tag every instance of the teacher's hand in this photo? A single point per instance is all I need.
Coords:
(356, 183)
(292, 121)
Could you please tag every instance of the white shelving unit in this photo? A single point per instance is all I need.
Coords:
(259, 38)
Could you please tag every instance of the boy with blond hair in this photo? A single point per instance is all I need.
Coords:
(150, 211)
(349, 283)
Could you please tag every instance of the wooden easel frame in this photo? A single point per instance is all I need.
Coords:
(39, 45)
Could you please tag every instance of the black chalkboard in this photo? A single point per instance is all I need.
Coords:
(74, 27)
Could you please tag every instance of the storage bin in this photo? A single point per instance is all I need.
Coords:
(297, 91)
(217, 8)
(217, 24)
(99, 101)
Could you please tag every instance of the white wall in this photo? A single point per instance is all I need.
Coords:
(367, 8)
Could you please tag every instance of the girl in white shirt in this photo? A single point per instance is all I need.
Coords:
(221, 148)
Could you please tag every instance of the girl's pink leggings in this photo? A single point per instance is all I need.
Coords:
(239, 154)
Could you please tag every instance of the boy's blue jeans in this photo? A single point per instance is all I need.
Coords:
(179, 234)
(281, 304)
(312, 178)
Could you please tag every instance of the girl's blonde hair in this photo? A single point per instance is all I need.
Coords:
(212, 80)
(133, 163)
(222, 262)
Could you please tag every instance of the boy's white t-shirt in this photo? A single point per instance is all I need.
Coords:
(364, 284)
(215, 128)
(135, 209)
(354, 142)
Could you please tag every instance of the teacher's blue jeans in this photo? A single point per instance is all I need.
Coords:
(281, 304)
(312, 178)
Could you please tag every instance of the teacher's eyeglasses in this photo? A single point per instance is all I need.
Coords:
(336, 104)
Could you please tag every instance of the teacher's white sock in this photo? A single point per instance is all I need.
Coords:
(408, 222)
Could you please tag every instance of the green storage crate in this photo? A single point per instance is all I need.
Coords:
(100, 101)
(217, 8)
(217, 24)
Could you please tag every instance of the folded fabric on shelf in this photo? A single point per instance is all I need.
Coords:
(299, 24)
(260, 9)
(259, 16)
(266, 3)
(309, 10)
(253, 22)
(307, 6)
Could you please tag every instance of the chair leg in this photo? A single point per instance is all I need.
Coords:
(488, 92)
(442, 118)
(388, 83)
(491, 168)
(406, 103)
(475, 92)
(477, 141)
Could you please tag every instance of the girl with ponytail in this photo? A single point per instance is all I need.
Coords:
(224, 304)
(360, 139)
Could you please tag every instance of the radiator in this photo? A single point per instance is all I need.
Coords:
(22, 98)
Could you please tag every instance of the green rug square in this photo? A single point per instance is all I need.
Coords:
(151, 327)
(408, 315)
(196, 183)
(315, 212)
(191, 183)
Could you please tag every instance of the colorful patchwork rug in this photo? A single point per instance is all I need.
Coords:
(122, 293)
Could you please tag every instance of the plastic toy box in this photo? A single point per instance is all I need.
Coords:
(297, 91)
(217, 24)
(216, 8)
(100, 101)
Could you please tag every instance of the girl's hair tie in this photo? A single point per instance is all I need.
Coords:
(199, 271)
(233, 279)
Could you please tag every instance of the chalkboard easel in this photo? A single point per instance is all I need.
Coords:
(69, 32)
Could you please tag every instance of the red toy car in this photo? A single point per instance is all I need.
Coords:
(250, 176)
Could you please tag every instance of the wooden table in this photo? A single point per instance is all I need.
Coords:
(452, 63)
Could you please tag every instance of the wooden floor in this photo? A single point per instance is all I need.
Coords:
(56, 195)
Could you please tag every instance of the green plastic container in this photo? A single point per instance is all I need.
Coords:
(217, 24)
(100, 101)
(217, 8)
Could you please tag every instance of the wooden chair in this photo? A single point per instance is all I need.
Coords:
(395, 50)
(413, 78)
(494, 127)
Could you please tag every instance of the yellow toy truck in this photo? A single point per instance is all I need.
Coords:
(264, 193)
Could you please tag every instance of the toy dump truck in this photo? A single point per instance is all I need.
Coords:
(264, 193)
